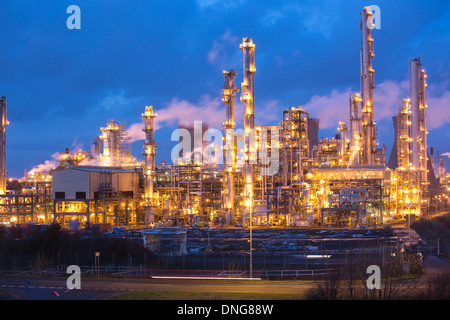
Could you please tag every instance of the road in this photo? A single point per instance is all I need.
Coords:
(93, 289)
(105, 289)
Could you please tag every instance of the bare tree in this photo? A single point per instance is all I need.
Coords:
(399, 273)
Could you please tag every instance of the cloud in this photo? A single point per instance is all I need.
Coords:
(307, 16)
(438, 112)
(214, 52)
(217, 50)
(219, 4)
(330, 108)
(268, 110)
(388, 95)
(114, 100)
(209, 111)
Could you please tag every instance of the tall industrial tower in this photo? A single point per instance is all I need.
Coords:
(149, 153)
(112, 140)
(3, 126)
(417, 87)
(248, 97)
(355, 129)
(344, 138)
(367, 86)
(229, 91)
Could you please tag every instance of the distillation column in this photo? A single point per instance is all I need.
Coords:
(247, 97)
(417, 87)
(149, 153)
(343, 148)
(229, 91)
(111, 137)
(4, 124)
(403, 133)
(367, 86)
(355, 129)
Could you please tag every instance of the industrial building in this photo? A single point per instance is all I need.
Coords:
(278, 175)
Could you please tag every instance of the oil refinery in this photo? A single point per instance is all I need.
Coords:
(280, 175)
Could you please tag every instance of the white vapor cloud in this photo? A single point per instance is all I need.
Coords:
(47, 165)
(135, 132)
(51, 164)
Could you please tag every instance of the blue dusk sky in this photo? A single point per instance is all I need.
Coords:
(63, 85)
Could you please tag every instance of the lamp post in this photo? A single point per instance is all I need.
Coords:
(250, 205)
(409, 221)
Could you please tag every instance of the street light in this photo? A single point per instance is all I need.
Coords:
(250, 205)
(409, 221)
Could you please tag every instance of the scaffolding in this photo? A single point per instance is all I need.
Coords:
(294, 143)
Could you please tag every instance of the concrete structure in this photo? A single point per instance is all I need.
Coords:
(100, 194)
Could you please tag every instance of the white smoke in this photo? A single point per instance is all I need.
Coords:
(354, 153)
(47, 166)
(94, 161)
(135, 132)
